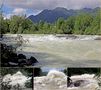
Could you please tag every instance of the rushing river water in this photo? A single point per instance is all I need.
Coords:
(61, 50)
(56, 80)
(17, 80)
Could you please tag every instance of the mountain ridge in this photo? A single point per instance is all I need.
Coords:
(51, 16)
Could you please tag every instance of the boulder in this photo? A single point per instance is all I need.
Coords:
(21, 56)
(22, 62)
(98, 38)
(78, 83)
(12, 55)
(14, 60)
(10, 58)
(33, 60)
(71, 37)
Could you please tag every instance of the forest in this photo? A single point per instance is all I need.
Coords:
(83, 24)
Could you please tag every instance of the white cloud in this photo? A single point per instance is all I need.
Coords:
(16, 11)
(19, 11)
(50, 4)
(22, 6)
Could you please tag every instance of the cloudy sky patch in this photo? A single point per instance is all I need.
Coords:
(50, 4)
(19, 11)
(35, 6)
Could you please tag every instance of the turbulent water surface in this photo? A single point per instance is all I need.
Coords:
(16, 79)
(56, 80)
(61, 50)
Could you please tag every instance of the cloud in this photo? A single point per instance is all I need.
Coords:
(19, 11)
(35, 6)
(16, 11)
(50, 4)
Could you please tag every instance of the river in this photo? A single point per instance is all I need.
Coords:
(56, 80)
(61, 50)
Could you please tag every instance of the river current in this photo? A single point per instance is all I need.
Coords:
(61, 50)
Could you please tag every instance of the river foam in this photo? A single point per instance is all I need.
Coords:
(56, 80)
(15, 79)
(46, 37)
(60, 50)
(62, 37)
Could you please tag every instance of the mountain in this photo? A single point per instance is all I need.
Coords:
(51, 16)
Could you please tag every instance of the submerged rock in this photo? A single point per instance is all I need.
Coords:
(33, 60)
(21, 56)
(78, 83)
(22, 62)
(98, 38)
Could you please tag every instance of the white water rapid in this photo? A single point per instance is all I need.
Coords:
(56, 80)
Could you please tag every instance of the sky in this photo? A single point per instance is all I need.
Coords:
(33, 7)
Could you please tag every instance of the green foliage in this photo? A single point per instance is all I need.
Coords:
(77, 71)
(81, 24)
(3, 25)
(18, 24)
(69, 25)
(94, 28)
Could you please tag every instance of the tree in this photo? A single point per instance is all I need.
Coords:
(46, 28)
(69, 25)
(14, 24)
(94, 28)
(4, 28)
(82, 22)
(40, 25)
(59, 23)
(20, 30)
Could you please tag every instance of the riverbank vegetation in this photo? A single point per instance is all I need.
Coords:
(83, 24)
(79, 71)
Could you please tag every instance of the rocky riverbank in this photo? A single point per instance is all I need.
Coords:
(9, 58)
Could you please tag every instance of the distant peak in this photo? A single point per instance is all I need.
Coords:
(60, 8)
(87, 9)
(31, 16)
(46, 10)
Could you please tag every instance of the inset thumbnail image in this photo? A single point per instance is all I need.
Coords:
(16, 79)
(67, 79)
(50, 79)
(84, 79)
